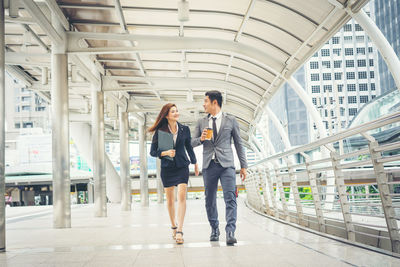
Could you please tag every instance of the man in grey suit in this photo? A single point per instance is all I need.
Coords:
(218, 162)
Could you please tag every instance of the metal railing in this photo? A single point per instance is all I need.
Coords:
(353, 195)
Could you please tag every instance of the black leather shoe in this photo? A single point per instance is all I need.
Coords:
(230, 238)
(214, 234)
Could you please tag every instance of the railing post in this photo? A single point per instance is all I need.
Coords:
(271, 192)
(382, 181)
(263, 183)
(279, 185)
(295, 192)
(341, 188)
(316, 196)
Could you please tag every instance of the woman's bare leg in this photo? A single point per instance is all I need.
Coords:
(170, 194)
(182, 188)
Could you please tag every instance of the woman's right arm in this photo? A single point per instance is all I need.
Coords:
(154, 151)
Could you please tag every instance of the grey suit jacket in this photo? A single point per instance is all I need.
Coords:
(229, 130)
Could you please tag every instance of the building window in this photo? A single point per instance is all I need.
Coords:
(372, 86)
(361, 63)
(326, 64)
(350, 75)
(314, 77)
(26, 108)
(341, 99)
(348, 39)
(373, 96)
(352, 100)
(370, 50)
(336, 51)
(351, 87)
(362, 75)
(360, 39)
(328, 88)
(349, 63)
(326, 76)
(325, 52)
(358, 28)
(352, 111)
(314, 65)
(316, 54)
(372, 74)
(360, 51)
(348, 51)
(347, 28)
(337, 64)
(363, 87)
(26, 98)
(340, 87)
(363, 99)
(40, 108)
(17, 125)
(27, 124)
(338, 76)
(335, 40)
(314, 100)
(17, 109)
(371, 62)
(315, 89)
(342, 114)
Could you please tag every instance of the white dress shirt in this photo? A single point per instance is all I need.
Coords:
(174, 135)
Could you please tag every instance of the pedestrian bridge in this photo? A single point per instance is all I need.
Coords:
(106, 67)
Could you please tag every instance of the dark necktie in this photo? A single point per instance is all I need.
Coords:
(214, 128)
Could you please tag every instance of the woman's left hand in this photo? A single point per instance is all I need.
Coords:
(196, 169)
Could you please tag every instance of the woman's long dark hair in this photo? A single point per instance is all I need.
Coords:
(161, 120)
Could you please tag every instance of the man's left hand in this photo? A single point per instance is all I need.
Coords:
(243, 174)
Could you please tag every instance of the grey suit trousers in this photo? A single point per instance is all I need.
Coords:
(211, 175)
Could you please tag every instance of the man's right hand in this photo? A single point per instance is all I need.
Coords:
(203, 135)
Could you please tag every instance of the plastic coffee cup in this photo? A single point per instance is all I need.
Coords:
(209, 133)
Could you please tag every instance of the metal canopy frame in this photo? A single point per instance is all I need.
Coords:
(246, 49)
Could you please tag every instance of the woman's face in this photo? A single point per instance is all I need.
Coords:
(173, 114)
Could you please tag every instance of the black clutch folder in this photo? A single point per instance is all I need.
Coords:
(165, 142)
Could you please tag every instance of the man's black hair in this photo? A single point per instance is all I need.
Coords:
(215, 95)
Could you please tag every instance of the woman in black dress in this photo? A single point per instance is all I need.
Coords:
(174, 172)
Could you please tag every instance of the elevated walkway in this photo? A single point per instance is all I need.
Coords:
(143, 238)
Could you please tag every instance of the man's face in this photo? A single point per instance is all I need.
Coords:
(208, 106)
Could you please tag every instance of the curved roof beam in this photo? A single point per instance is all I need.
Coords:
(187, 28)
(110, 84)
(170, 43)
(194, 11)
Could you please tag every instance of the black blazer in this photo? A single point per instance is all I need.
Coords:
(183, 141)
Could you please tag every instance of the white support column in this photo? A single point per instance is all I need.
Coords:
(144, 179)
(125, 162)
(60, 133)
(160, 187)
(99, 164)
(309, 105)
(2, 131)
(320, 127)
(377, 37)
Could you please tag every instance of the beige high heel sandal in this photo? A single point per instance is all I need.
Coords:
(179, 240)
(174, 231)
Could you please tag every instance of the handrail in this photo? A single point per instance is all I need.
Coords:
(380, 122)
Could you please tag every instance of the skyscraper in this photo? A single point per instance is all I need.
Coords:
(387, 18)
(343, 71)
